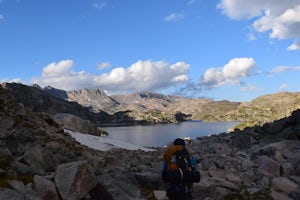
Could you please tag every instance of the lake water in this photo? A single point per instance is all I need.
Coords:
(161, 135)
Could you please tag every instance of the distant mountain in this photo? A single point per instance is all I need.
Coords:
(153, 108)
(267, 108)
(159, 108)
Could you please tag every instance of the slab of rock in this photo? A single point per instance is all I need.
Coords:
(40, 158)
(74, 180)
(77, 124)
(268, 166)
(283, 184)
(44, 188)
(9, 194)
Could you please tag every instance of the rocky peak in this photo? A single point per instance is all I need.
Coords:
(93, 98)
(61, 94)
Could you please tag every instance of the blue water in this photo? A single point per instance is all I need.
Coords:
(161, 135)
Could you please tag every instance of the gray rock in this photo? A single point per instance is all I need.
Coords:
(121, 185)
(44, 188)
(287, 169)
(74, 180)
(283, 184)
(9, 194)
(5, 156)
(271, 149)
(268, 166)
(6, 124)
(40, 158)
(160, 195)
(233, 178)
(77, 124)
(17, 185)
(275, 195)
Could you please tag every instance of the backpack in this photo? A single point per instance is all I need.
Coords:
(177, 157)
(178, 167)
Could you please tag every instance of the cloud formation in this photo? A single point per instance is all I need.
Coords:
(280, 18)
(144, 76)
(139, 77)
(229, 74)
(174, 17)
(294, 46)
(99, 5)
(280, 69)
(103, 65)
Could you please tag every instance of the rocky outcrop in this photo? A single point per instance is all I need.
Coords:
(77, 124)
(38, 100)
(96, 99)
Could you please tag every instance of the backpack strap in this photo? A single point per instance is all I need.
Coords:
(183, 160)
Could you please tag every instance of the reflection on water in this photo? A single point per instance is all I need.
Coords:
(161, 135)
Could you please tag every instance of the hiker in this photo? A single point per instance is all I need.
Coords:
(180, 171)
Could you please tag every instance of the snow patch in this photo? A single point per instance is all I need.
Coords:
(103, 144)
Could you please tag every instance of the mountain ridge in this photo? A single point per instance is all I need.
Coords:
(153, 108)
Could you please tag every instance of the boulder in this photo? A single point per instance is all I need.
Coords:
(271, 149)
(121, 185)
(283, 184)
(9, 194)
(40, 158)
(77, 124)
(6, 124)
(268, 166)
(44, 188)
(74, 180)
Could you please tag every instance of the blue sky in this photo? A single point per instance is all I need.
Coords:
(219, 49)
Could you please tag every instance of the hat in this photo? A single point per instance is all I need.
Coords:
(179, 141)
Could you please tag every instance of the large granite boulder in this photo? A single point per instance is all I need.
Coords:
(77, 124)
(74, 180)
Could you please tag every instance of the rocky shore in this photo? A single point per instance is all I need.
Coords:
(38, 160)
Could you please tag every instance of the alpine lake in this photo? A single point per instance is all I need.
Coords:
(162, 135)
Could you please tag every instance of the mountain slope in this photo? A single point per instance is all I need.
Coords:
(41, 101)
(268, 108)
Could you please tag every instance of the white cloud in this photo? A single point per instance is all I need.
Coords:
(144, 76)
(280, 18)
(174, 17)
(294, 46)
(61, 76)
(57, 69)
(280, 69)
(140, 76)
(229, 74)
(99, 5)
(283, 87)
(103, 65)
(246, 88)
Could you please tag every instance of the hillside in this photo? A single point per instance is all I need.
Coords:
(267, 108)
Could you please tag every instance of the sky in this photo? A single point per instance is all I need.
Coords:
(234, 50)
